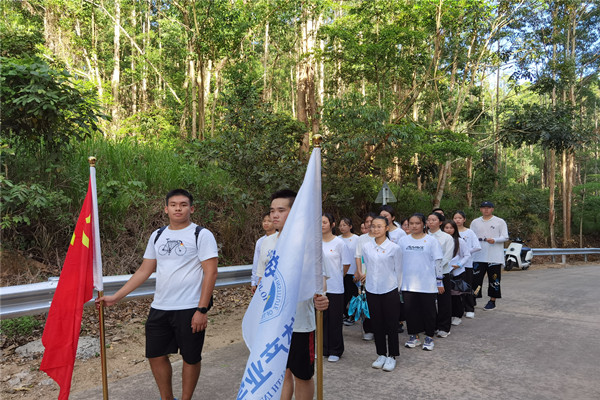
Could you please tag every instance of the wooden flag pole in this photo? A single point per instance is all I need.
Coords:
(319, 355)
(317, 141)
(103, 349)
(92, 162)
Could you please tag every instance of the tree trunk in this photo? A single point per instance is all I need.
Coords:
(266, 95)
(552, 188)
(116, 75)
(439, 193)
(132, 65)
(469, 166)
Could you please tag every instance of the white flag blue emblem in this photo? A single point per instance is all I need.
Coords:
(293, 274)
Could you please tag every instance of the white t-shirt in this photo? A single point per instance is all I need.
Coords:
(385, 266)
(362, 240)
(447, 244)
(179, 271)
(494, 228)
(351, 243)
(305, 310)
(396, 234)
(472, 244)
(462, 256)
(420, 264)
(335, 256)
(254, 278)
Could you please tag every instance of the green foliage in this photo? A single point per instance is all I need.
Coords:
(41, 105)
(17, 327)
(557, 128)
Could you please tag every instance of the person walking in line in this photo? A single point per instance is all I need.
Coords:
(383, 277)
(473, 245)
(460, 256)
(361, 268)
(444, 299)
(421, 281)
(395, 232)
(350, 278)
(267, 226)
(492, 232)
(184, 257)
(336, 262)
(404, 226)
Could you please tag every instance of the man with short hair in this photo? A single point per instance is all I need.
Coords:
(184, 256)
(300, 369)
(492, 232)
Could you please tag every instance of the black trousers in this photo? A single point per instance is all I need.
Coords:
(420, 312)
(333, 339)
(444, 306)
(468, 299)
(458, 307)
(350, 290)
(493, 273)
(384, 310)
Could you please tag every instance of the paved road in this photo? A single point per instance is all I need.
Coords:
(542, 342)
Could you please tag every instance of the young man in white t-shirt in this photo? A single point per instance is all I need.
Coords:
(492, 232)
(184, 258)
(298, 379)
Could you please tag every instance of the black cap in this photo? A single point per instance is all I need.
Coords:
(486, 204)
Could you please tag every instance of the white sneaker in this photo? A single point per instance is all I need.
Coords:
(456, 321)
(428, 344)
(470, 314)
(368, 336)
(333, 359)
(390, 364)
(379, 362)
(443, 334)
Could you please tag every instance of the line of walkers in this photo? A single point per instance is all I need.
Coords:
(426, 271)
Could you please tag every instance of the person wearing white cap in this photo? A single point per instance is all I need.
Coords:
(492, 232)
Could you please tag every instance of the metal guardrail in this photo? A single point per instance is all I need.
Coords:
(565, 252)
(35, 298)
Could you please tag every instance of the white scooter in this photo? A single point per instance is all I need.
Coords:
(517, 255)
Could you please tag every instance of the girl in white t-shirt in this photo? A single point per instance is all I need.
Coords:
(395, 232)
(460, 256)
(421, 281)
(269, 229)
(384, 274)
(474, 246)
(336, 262)
(350, 278)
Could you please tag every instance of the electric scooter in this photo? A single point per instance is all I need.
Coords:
(517, 255)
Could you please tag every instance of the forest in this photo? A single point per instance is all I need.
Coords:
(450, 102)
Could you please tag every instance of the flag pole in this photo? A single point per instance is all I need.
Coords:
(317, 140)
(92, 162)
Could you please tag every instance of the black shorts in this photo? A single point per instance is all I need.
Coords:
(301, 360)
(169, 331)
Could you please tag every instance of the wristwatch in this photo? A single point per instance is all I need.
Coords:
(203, 310)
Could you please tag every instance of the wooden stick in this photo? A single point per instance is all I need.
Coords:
(103, 349)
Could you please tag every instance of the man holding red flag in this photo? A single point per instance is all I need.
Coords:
(75, 287)
(184, 256)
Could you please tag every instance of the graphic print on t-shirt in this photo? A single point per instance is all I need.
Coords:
(172, 245)
(415, 248)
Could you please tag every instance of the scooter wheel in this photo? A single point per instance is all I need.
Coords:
(524, 268)
(509, 265)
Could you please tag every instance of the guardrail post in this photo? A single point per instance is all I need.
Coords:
(564, 259)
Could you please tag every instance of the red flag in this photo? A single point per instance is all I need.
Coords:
(74, 289)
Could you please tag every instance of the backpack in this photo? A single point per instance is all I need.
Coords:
(159, 232)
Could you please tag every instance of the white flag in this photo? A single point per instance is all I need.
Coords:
(294, 273)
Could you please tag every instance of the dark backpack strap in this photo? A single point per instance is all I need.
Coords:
(159, 232)
(197, 232)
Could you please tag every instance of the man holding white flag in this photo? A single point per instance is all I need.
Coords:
(279, 325)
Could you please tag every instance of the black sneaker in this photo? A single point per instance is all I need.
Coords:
(490, 305)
